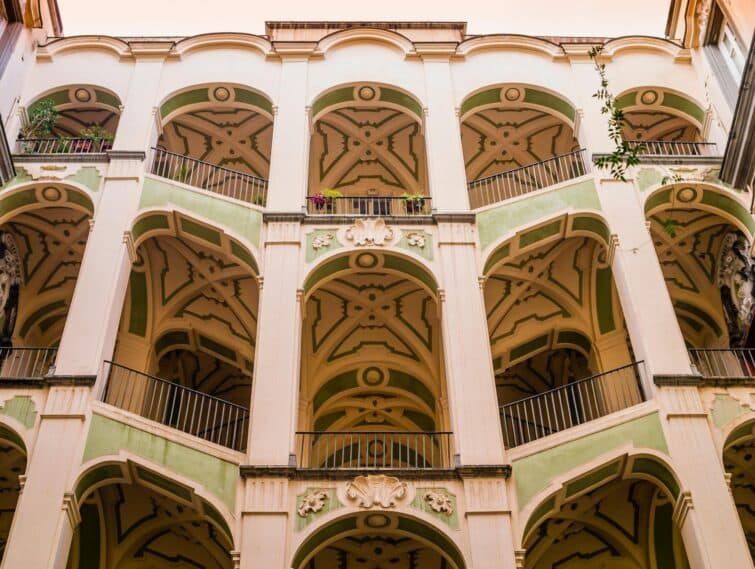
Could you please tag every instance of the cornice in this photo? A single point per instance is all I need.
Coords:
(513, 42)
(647, 44)
(249, 42)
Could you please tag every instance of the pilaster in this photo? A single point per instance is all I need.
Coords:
(290, 146)
(264, 523)
(469, 367)
(488, 520)
(275, 388)
(445, 158)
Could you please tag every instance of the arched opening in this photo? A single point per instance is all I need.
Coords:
(517, 139)
(76, 119)
(217, 138)
(561, 352)
(663, 122)
(185, 350)
(372, 378)
(703, 239)
(379, 539)
(43, 233)
(739, 463)
(367, 153)
(13, 458)
(134, 517)
(619, 516)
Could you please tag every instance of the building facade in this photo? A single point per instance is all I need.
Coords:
(368, 295)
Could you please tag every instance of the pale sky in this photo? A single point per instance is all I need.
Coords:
(535, 17)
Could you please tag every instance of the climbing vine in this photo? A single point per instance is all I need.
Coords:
(624, 154)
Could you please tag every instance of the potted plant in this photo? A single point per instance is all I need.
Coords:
(91, 136)
(40, 122)
(413, 203)
(326, 200)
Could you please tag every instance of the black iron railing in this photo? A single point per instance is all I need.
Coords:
(182, 408)
(732, 363)
(210, 177)
(520, 181)
(581, 401)
(63, 145)
(374, 450)
(674, 148)
(378, 206)
(26, 363)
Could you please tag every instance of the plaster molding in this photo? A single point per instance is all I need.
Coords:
(71, 508)
(376, 491)
(511, 42)
(128, 241)
(682, 508)
(415, 239)
(370, 232)
(519, 557)
(649, 45)
(323, 240)
(224, 40)
(312, 502)
(387, 37)
(236, 559)
(439, 501)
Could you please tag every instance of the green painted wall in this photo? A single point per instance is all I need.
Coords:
(534, 473)
(494, 223)
(108, 437)
(22, 409)
(244, 221)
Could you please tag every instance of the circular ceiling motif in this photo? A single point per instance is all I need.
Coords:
(51, 194)
(373, 376)
(82, 95)
(221, 94)
(366, 93)
(377, 521)
(649, 97)
(366, 261)
(512, 94)
(686, 195)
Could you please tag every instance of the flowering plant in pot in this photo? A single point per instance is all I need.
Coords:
(326, 200)
(39, 124)
(413, 203)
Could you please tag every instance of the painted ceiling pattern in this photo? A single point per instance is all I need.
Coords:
(658, 125)
(371, 354)
(140, 528)
(739, 461)
(356, 150)
(377, 552)
(542, 372)
(72, 121)
(548, 289)
(690, 261)
(621, 525)
(50, 244)
(501, 139)
(238, 139)
(12, 464)
(195, 298)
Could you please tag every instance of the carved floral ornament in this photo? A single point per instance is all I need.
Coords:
(376, 491)
(416, 239)
(439, 501)
(312, 503)
(323, 240)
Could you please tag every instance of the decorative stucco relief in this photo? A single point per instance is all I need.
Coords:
(370, 232)
(376, 491)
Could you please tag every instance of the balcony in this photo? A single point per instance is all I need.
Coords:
(724, 364)
(72, 148)
(26, 364)
(374, 450)
(188, 410)
(579, 402)
(210, 177)
(676, 151)
(520, 181)
(366, 206)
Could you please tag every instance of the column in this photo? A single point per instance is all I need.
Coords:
(264, 524)
(647, 307)
(706, 513)
(445, 158)
(466, 345)
(47, 514)
(488, 521)
(289, 154)
(275, 389)
(92, 323)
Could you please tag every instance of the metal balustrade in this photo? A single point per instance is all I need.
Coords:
(63, 145)
(374, 450)
(581, 401)
(26, 363)
(365, 206)
(182, 408)
(210, 177)
(732, 363)
(674, 148)
(520, 181)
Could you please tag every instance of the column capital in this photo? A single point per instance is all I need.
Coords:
(71, 508)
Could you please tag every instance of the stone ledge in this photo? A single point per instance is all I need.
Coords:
(101, 157)
(83, 380)
(50, 380)
(678, 380)
(672, 160)
(458, 473)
